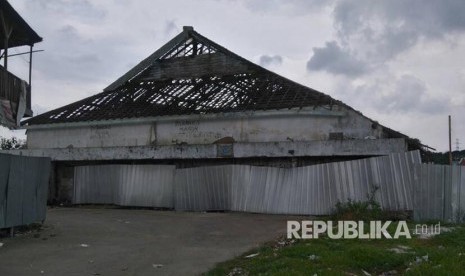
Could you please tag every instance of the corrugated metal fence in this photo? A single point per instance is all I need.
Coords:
(23, 189)
(439, 192)
(305, 190)
(125, 185)
(402, 183)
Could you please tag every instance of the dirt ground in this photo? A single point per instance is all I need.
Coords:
(111, 241)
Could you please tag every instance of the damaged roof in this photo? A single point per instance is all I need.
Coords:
(192, 75)
(189, 75)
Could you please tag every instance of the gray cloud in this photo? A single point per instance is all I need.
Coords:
(77, 67)
(122, 2)
(377, 31)
(74, 65)
(171, 28)
(394, 26)
(410, 94)
(267, 60)
(333, 59)
(68, 32)
(406, 95)
(293, 7)
(73, 47)
(80, 9)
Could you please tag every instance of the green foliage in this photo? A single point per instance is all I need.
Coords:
(442, 158)
(445, 256)
(11, 143)
(359, 210)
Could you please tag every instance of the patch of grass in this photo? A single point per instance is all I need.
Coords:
(443, 254)
(359, 210)
(366, 210)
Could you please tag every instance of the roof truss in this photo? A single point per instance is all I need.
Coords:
(189, 75)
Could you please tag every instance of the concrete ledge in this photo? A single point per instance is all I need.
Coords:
(240, 150)
(306, 111)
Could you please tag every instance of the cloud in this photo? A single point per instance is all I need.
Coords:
(383, 29)
(406, 94)
(171, 28)
(83, 10)
(410, 95)
(333, 59)
(291, 7)
(69, 33)
(73, 65)
(267, 60)
(371, 33)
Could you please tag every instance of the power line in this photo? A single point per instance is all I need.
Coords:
(20, 55)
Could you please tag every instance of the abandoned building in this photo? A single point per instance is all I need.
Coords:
(194, 103)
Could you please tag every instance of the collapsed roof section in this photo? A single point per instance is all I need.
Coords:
(189, 75)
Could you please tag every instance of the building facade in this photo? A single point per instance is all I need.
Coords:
(194, 103)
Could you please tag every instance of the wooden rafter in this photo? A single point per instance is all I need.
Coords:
(178, 79)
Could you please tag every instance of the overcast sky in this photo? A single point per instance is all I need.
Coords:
(398, 62)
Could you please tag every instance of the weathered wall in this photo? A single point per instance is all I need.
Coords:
(352, 148)
(306, 125)
(251, 130)
(91, 136)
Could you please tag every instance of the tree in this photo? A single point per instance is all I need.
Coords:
(11, 143)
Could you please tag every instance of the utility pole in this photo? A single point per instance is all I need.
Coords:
(450, 142)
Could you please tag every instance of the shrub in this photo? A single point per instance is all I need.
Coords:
(359, 210)
(12, 143)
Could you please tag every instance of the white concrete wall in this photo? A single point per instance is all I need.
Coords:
(356, 147)
(295, 127)
(92, 136)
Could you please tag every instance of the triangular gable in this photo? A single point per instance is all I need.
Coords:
(188, 55)
(189, 75)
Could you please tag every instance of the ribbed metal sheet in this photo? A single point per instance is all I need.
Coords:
(461, 192)
(126, 185)
(439, 192)
(306, 190)
(432, 191)
(4, 175)
(204, 188)
(23, 189)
